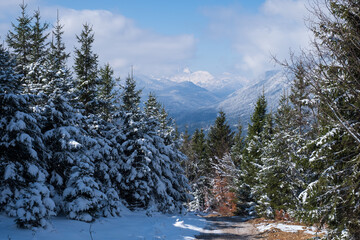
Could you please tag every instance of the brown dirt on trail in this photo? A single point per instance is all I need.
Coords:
(231, 228)
(243, 229)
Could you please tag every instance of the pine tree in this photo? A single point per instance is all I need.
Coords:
(238, 146)
(57, 56)
(251, 162)
(199, 172)
(24, 193)
(281, 179)
(334, 76)
(36, 69)
(220, 137)
(254, 141)
(86, 67)
(19, 40)
(39, 46)
(136, 191)
(153, 178)
(171, 173)
(106, 92)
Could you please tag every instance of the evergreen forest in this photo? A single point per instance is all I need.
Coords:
(77, 141)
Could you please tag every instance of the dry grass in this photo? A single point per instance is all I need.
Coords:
(277, 234)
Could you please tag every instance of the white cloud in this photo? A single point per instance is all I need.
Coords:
(118, 40)
(121, 43)
(278, 27)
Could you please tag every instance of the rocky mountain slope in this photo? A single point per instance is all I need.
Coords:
(193, 99)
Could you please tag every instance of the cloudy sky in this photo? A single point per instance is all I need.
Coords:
(162, 37)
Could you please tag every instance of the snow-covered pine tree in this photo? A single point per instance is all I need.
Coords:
(135, 185)
(106, 92)
(251, 162)
(24, 194)
(32, 66)
(238, 146)
(280, 178)
(109, 133)
(39, 44)
(220, 141)
(57, 56)
(86, 69)
(199, 167)
(99, 147)
(332, 198)
(63, 133)
(171, 192)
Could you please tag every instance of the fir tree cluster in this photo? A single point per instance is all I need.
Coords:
(303, 159)
(79, 144)
(210, 167)
(308, 160)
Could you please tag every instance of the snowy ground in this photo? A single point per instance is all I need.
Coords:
(288, 228)
(129, 226)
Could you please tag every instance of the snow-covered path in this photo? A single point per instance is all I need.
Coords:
(230, 228)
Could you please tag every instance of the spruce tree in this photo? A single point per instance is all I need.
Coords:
(106, 93)
(36, 69)
(39, 46)
(334, 73)
(19, 40)
(238, 146)
(281, 179)
(135, 189)
(251, 163)
(57, 56)
(254, 142)
(199, 172)
(86, 67)
(153, 178)
(220, 137)
(23, 192)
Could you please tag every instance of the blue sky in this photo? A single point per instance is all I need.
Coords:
(162, 37)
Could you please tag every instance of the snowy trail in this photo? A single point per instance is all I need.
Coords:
(231, 228)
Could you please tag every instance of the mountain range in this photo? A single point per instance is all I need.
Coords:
(194, 99)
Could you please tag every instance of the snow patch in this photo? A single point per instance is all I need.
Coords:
(263, 227)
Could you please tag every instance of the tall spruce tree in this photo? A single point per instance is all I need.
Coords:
(199, 172)
(39, 39)
(57, 57)
(19, 40)
(36, 69)
(254, 141)
(334, 76)
(166, 166)
(220, 137)
(106, 93)
(86, 69)
(238, 146)
(251, 157)
(23, 192)
(281, 179)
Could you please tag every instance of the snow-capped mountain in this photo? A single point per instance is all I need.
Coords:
(239, 105)
(221, 85)
(196, 103)
(177, 97)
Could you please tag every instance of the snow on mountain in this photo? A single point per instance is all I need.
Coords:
(197, 106)
(177, 97)
(221, 85)
(240, 104)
